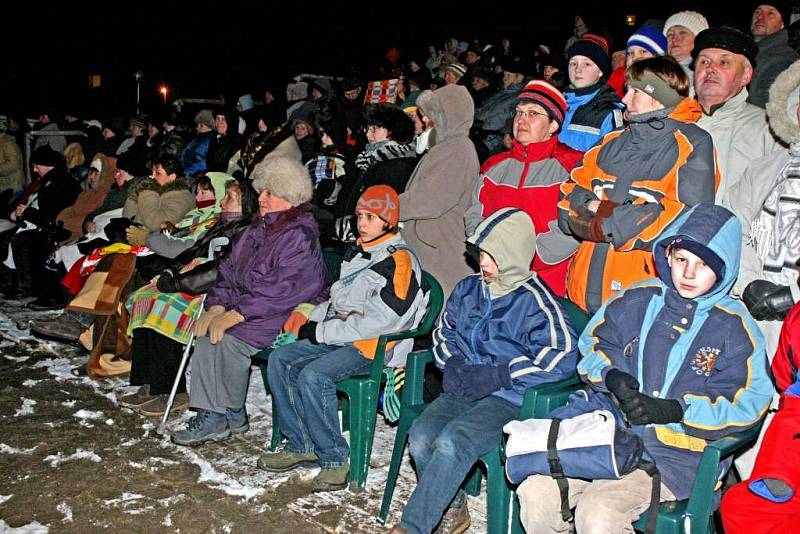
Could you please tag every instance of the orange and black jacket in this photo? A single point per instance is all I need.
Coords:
(645, 177)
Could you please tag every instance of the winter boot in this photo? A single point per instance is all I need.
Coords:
(137, 399)
(331, 478)
(281, 461)
(157, 406)
(205, 426)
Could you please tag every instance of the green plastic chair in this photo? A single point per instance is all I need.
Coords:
(538, 402)
(360, 402)
(695, 514)
(360, 407)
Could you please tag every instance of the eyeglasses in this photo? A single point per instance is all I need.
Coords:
(529, 114)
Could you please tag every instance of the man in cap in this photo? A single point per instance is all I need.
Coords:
(529, 176)
(492, 115)
(768, 27)
(724, 61)
(681, 29)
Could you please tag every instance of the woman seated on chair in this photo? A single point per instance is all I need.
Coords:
(163, 313)
(273, 266)
(684, 362)
(501, 332)
(379, 292)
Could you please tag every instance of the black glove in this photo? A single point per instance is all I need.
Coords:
(621, 384)
(308, 331)
(774, 306)
(482, 380)
(756, 291)
(641, 410)
(451, 377)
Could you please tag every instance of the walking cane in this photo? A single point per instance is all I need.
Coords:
(214, 246)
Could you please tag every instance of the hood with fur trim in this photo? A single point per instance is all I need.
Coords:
(148, 184)
(784, 95)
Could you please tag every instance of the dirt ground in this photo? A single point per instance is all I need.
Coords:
(72, 460)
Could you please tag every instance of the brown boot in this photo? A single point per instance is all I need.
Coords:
(157, 406)
(135, 400)
(455, 521)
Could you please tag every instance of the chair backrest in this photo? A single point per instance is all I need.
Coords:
(435, 301)
(577, 316)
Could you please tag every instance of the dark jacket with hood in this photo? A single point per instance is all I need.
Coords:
(221, 148)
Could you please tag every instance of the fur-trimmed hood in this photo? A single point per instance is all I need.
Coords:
(148, 184)
(784, 96)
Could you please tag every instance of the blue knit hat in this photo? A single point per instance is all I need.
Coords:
(650, 38)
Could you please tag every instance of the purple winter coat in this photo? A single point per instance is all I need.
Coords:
(275, 264)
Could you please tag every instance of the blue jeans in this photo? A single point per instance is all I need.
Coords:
(445, 441)
(302, 378)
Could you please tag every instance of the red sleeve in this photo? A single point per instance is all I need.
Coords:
(787, 357)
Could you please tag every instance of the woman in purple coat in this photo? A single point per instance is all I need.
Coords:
(275, 265)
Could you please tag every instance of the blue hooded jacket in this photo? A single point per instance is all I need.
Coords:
(707, 353)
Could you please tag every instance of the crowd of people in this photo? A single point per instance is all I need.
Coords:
(656, 190)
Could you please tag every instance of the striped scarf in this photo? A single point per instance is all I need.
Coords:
(776, 229)
(384, 151)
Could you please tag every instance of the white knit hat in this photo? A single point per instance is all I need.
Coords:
(691, 20)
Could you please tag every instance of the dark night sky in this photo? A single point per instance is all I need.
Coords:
(203, 48)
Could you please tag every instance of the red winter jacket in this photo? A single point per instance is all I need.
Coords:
(529, 177)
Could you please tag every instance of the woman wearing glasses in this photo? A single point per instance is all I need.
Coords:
(528, 177)
(637, 182)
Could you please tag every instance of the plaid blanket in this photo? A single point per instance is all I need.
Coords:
(170, 314)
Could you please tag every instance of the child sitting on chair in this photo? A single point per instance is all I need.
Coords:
(501, 332)
(379, 292)
(685, 363)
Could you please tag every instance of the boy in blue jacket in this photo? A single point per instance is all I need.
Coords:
(686, 364)
(501, 332)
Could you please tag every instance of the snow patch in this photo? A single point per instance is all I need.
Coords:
(126, 497)
(12, 450)
(29, 383)
(69, 403)
(110, 422)
(80, 454)
(87, 414)
(27, 407)
(30, 528)
(65, 509)
(167, 522)
(219, 480)
(4, 498)
(16, 358)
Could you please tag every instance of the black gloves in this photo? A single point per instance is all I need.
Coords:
(308, 331)
(767, 301)
(639, 408)
(473, 382)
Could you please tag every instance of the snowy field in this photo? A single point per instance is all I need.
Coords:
(72, 460)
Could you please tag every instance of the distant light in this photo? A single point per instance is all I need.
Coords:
(94, 81)
(630, 20)
(164, 90)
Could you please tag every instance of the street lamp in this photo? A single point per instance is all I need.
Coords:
(164, 90)
(139, 77)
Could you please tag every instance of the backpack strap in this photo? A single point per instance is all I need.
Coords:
(556, 471)
(655, 495)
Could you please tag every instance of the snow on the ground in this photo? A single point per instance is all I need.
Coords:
(231, 466)
(7, 449)
(87, 414)
(65, 509)
(4, 498)
(27, 407)
(79, 454)
(31, 528)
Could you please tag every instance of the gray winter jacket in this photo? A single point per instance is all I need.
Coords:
(379, 292)
(774, 56)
